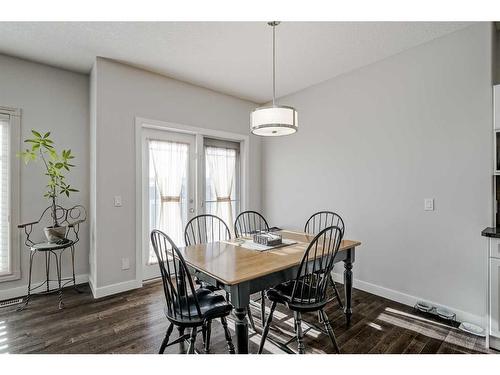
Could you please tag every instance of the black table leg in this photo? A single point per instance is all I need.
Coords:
(348, 285)
(241, 328)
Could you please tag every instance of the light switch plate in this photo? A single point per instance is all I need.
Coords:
(125, 263)
(429, 204)
(118, 200)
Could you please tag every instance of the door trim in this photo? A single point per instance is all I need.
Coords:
(145, 123)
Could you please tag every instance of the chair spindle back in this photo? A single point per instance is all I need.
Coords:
(323, 219)
(177, 282)
(311, 282)
(206, 228)
(248, 223)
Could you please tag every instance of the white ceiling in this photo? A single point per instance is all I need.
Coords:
(230, 57)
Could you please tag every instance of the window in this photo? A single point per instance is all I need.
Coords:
(222, 179)
(9, 185)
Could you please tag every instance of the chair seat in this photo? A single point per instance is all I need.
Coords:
(206, 286)
(47, 246)
(212, 306)
(282, 293)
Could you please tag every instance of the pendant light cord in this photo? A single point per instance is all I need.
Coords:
(274, 65)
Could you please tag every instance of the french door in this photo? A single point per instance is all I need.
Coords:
(168, 189)
(221, 179)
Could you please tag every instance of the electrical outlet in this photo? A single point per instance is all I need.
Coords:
(125, 263)
(429, 204)
(118, 200)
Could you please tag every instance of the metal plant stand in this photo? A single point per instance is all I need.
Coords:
(48, 250)
(71, 218)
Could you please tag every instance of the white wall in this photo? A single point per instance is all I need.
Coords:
(373, 143)
(56, 100)
(122, 93)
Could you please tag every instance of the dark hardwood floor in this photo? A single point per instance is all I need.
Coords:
(133, 322)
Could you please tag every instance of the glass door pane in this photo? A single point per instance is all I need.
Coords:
(168, 180)
(222, 180)
(168, 190)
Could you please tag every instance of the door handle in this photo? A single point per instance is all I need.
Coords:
(191, 210)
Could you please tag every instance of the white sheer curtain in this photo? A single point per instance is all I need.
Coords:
(4, 194)
(221, 167)
(169, 161)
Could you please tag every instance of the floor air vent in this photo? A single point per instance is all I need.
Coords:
(10, 302)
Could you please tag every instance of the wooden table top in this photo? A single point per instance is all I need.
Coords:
(232, 264)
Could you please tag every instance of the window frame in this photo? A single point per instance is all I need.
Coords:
(14, 272)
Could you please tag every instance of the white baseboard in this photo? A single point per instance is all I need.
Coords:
(407, 299)
(108, 290)
(21, 291)
(92, 286)
(97, 292)
(494, 343)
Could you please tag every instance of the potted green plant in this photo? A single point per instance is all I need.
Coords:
(56, 166)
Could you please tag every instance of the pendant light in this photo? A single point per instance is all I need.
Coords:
(275, 120)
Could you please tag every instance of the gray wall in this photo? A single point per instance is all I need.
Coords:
(122, 93)
(496, 55)
(56, 100)
(92, 171)
(374, 143)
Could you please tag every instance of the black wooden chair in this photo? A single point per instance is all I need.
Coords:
(246, 224)
(204, 229)
(186, 307)
(315, 224)
(307, 292)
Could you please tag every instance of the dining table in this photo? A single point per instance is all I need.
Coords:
(243, 271)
